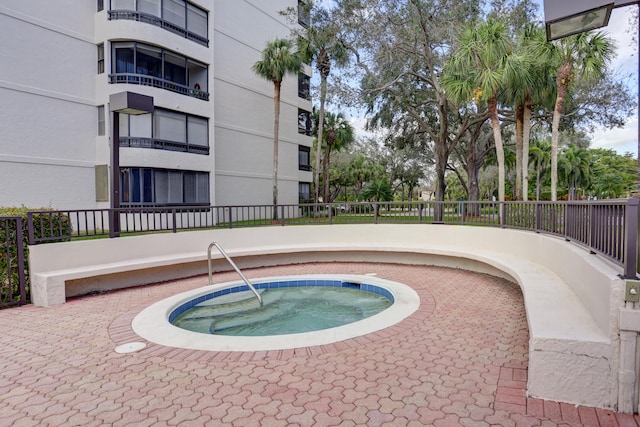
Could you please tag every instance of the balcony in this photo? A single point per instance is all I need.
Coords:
(161, 144)
(145, 80)
(158, 22)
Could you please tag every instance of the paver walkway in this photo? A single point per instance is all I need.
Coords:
(461, 359)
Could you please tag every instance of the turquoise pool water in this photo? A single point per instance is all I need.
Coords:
(289, 307)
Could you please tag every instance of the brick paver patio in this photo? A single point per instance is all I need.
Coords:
(461, 359)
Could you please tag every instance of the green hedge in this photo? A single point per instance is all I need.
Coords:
(54, 225)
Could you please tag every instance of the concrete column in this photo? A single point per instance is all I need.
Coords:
(627, 372)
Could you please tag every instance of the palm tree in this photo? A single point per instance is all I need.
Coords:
(477, 70)
(609, 186)
(339, 134)
(584, 55)
(575, 164)
(532, 86)
(540, 157)
(378, 191)
(320, 43)
(278, 60)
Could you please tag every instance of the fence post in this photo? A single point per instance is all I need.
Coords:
(30, 228)
(631, 238)
(174, 218)
(20, 254)
(282, 214)
(375, 213)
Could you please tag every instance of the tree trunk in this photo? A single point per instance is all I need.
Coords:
(441, 185)
(497, 136)
(473, 186)
(323, 96)
(276, 129)
(565, 73)
(519, 144)
(325, 167)
(526, 134)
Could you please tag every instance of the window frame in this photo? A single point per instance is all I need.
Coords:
(139, 187)
(102, 120)
(154, 140)
(301, 194)
(100, 54)
(131, 62)
(301, 165)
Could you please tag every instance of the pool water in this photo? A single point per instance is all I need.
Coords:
(286, 310)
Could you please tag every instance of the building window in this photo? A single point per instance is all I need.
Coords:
(100, 58)
(163, 187)
(101, 120)
(100, 5)
(166, 130)
(143, 64)
(304, 122)
(304, 86)
(304, 192)
(178, 16)
(304, 158)
(304, 13)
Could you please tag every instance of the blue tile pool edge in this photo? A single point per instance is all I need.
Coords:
(280, 284)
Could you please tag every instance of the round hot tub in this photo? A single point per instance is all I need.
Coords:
(298, 311)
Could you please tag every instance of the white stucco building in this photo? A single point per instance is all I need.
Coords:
(209, 140)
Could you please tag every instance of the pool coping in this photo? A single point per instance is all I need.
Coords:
(145, 324)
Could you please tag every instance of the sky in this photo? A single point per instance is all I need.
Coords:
(622, 140)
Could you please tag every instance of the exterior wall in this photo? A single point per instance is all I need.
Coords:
(50, 91)
(244, 107)
(47, 109)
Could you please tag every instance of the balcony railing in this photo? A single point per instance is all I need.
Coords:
(609, 228)
(161, 144)
(141, 79)
(132, 15)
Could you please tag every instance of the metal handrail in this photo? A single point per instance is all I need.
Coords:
(235, 267)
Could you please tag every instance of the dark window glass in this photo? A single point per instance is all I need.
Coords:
(304, 122)
(135, 185)
(125, 185)
(101, 120)
(148, 61)
(101, 58)
(304, 192)
(100, 5)
(304, 14)
(304, 158)
(175, 69)
(149, 186)
(124, 59)
(304, 86)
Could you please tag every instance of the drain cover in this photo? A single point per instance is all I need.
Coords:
(130, 347)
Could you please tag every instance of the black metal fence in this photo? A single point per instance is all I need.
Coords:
(13, 287)
(608, 228)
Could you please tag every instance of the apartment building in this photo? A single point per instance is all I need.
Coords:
(209, 137)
